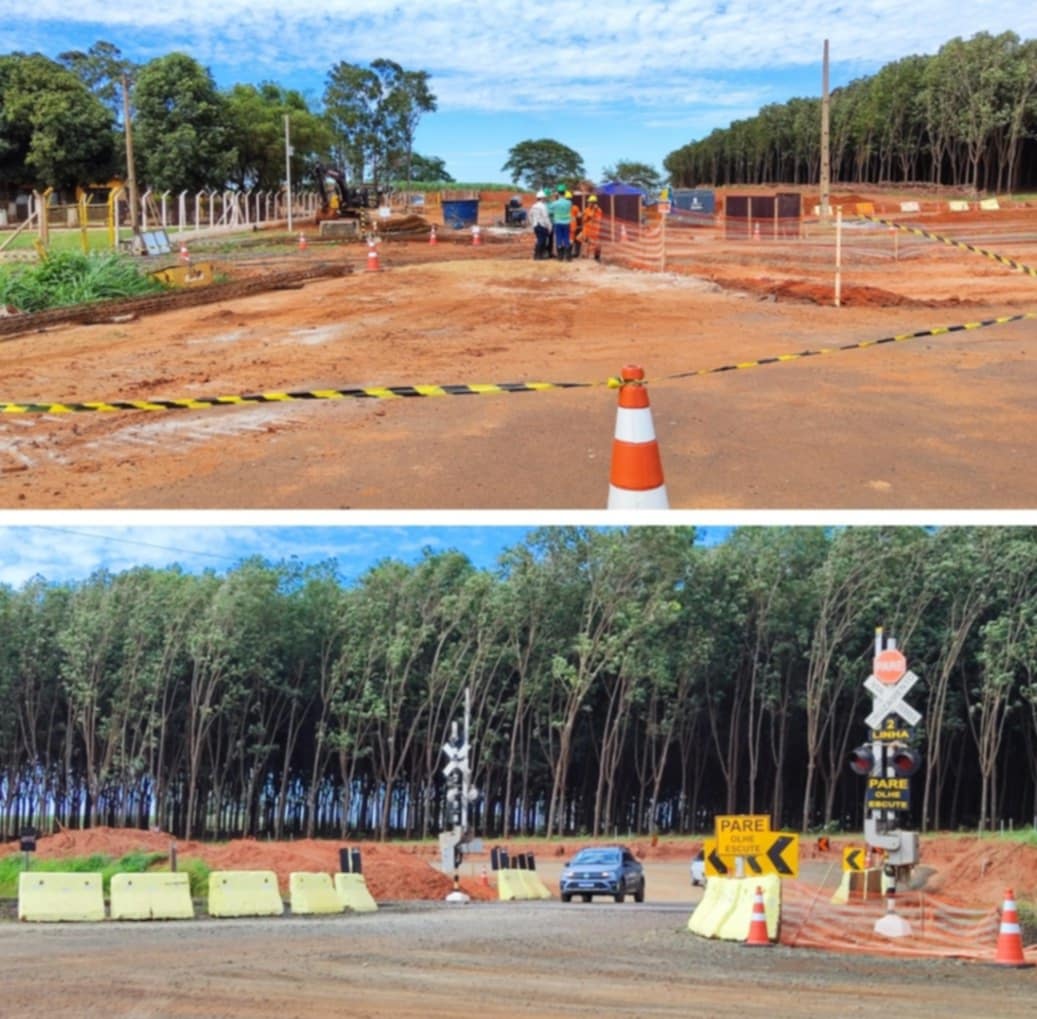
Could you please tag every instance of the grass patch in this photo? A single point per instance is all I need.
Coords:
(138, 862)
(67, 278)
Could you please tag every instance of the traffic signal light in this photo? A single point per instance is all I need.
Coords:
(904, 760)
(862, 760)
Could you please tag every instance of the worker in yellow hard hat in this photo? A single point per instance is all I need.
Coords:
(592, 227)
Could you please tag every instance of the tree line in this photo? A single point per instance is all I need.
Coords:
(62, 124)
(965, 117)
(628, 680)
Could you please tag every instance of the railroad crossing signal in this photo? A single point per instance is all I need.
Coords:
(888, 699)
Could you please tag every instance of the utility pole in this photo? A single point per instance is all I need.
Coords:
(288, 170)
(826, 158)
(131, 173)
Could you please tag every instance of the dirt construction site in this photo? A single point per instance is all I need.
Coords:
(418, 955)
(461, 375)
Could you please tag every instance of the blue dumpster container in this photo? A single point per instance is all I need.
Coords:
(461, 214)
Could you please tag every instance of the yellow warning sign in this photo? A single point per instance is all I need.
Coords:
(854, 859)
(743, 834)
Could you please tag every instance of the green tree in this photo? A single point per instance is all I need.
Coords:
(642, 175)
(102, 69)
(539, 164)
(374, 112)
(256, 134)
(53, 132)
(181, 131)
(425, 169)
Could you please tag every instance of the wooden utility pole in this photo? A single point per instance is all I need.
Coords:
(131, 173)
(826, 159)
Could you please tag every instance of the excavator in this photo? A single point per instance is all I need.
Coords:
(340, 201)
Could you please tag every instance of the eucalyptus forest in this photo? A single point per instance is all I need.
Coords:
(633, 680)
(964, 117)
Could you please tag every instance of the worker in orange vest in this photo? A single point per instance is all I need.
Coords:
(591, 233)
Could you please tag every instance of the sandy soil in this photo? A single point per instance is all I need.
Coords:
(418, 956)
(941, 421)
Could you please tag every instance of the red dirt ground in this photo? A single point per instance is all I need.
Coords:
(941, 422)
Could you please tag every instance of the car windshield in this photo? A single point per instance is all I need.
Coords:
(596, 857)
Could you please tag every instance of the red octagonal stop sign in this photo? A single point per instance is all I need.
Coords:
(889, 666)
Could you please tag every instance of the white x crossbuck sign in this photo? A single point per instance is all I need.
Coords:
(888, 699)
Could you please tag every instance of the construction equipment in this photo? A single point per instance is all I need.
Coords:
(340, 201)
(514, 214)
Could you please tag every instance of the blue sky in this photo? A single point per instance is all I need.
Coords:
(614, 81)
(72, 546)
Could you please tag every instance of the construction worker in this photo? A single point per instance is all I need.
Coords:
(561, 216)
(576, 227)
(540, 221)
(592, 227)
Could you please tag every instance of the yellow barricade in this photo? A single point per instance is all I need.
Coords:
(159, 896)
(55, 897)
(244, 893)
(510, 885)
(312, 893)
(860, 885)
(725, 911)
(352, 893)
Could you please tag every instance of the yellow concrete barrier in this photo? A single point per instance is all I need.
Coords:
(244, 893)
(510, 885)
(55, 897)
(312, 893)
(989, 204)
(539, 889)
(726, 908)
(161, 896)
(352, 892)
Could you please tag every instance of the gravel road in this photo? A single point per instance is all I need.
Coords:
(490, 960)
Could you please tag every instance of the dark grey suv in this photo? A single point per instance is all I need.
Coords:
(603, 870)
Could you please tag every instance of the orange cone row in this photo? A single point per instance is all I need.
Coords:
(636, 480)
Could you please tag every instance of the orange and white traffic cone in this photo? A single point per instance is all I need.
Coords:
(758, 936)
(185, 255)
(372, 258)
(484, 878)
(1010, 936)
(636, 480)
(302, 241)
(756, 231)
(476, 236)
(432, 239)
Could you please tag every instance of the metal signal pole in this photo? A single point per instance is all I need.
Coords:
(826, 158)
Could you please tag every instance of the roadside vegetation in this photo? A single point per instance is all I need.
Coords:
(66, 278)
(131, 863)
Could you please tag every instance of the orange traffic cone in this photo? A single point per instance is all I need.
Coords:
(372, 258)
(636, 480)
(756, 231)
(1010, 936)
(476, 236)
(758, 936)
(484, 878)
(185, 255)
(302, 241)
(432, 239)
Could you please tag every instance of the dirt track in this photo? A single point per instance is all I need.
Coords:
(938, 422)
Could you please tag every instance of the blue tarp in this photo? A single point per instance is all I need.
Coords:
(617, 187)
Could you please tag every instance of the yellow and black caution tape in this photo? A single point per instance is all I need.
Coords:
(861, 345)
(473, 389)
(954, 243)
(351, 393)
